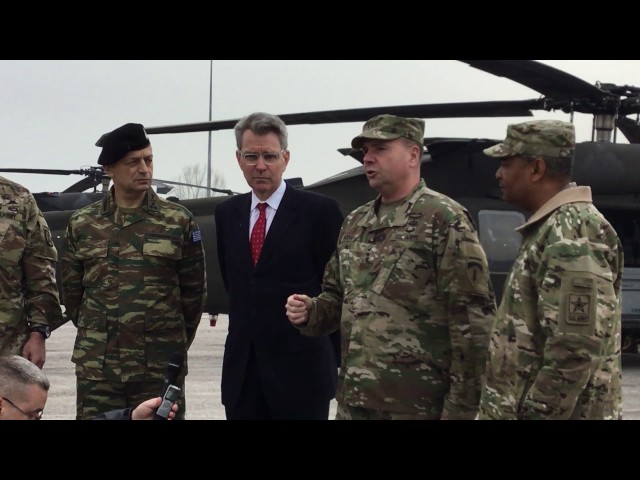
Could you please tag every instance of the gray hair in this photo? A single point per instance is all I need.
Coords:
(262, 123)
(16, 373)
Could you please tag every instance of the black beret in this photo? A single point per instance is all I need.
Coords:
(127, 138)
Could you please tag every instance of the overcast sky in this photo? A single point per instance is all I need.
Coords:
(53, 112)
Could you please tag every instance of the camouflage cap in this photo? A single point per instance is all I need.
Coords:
(552, 138)
(116, 144)
(390, 127)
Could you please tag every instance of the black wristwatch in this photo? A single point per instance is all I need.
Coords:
(44, 330)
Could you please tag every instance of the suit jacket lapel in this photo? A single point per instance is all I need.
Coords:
(241, 224)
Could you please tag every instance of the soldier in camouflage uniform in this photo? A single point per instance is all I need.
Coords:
(409, 288)
(134, 282)
(27, 275)
(555, 347)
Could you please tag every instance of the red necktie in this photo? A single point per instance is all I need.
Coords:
(257, 234)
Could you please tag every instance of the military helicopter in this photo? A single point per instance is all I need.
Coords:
(458, 168)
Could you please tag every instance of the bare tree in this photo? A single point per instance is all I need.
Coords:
(196, 174)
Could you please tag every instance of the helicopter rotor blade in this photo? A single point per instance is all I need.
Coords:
(161, 187)
(562, 90)
(544, 79)
(213, 189)
(93, 176)
(46, 171)
(518, 108)
(571, 94)
(82, 185)
(629, 128)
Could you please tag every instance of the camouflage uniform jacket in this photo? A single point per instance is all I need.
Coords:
(555, 347)
(134, 284)
(412, 297)
(27, 268)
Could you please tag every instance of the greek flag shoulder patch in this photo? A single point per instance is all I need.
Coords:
(196, 236)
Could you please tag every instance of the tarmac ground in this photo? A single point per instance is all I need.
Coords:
(205, 367)
(202, 384)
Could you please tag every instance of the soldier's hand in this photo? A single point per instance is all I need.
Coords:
(298, 307)
(34, 350)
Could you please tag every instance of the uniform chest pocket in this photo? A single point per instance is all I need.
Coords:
(362, 263)
(407, 276)
(95, 262)
(401, 271)
(11, 245)
(162, 255)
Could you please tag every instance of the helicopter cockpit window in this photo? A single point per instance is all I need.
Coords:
(498, 237)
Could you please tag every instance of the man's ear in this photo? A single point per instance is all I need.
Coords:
(416, 151)
(538, 168)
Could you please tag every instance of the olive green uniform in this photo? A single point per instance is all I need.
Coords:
(135, 287)
(411, 294)
(28, 290)
(555, 347)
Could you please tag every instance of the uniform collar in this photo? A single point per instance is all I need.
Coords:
(149, 204)
(401, 214)
(567, 195)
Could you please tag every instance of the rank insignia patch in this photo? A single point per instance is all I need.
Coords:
(474, 272)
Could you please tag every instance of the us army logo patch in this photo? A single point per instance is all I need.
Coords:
(578, 305)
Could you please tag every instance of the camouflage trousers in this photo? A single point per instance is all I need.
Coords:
(347, 412)
(94, 397)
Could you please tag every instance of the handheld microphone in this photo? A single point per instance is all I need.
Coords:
(170, 391)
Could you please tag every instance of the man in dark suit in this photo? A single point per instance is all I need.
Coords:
(269, 370)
